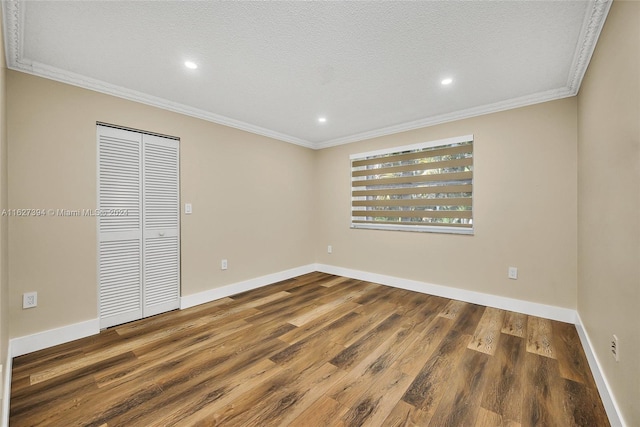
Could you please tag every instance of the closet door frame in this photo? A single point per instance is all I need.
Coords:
(113, 266)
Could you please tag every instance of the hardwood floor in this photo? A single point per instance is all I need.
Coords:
(317, 350)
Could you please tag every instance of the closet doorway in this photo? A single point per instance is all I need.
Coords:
(138, 224)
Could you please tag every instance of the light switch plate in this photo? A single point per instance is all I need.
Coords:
(187, 208)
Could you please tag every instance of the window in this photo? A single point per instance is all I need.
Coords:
(421, 187)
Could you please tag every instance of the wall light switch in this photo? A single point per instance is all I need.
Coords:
(187, 208)
(513, 273)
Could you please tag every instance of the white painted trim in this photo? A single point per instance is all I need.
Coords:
(526, 307)
(508, 104)
(6, 391)
(52, 337)
(74, 79)
(246, 285)
(608, 400)
(413, 228)
(591, 29)
(418, 146)
(64, 334)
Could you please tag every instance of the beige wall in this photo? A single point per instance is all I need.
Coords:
(4, 282)
(524, 210)
(609, 203)
(250, 196)
(253, 204)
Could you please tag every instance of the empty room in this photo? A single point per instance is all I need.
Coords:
(345, 213)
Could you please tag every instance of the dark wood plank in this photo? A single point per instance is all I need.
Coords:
(359, 350)
(468, 319)
(370, 375)
(583, 405)
(209, 396)
(503, 395)
(544, 393)
(431, 382)
(573, 364)
(460, 403)
(426, 340)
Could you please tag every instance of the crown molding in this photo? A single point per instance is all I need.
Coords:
(53, 73)
(13, 35)
(12, 26)
(453, 116)
(591, 29)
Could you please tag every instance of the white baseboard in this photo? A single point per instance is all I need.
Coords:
(64, 334)
(51, 337)
(6, 391)
(512, 304)
(609, 402)
(246, 285)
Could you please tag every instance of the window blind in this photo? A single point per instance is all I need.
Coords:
(422, 187)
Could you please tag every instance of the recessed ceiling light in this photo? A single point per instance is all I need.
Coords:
(191, 65)
(322, 119)
(447, 81)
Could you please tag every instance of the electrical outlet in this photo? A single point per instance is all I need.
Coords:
(329, 249)
(513, 273)
(223, 264)
(29, 299)
(615, 348)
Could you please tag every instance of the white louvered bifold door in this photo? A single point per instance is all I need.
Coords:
(119, 226)
(161, 216)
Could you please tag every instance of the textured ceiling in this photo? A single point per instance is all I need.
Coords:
(272, 68)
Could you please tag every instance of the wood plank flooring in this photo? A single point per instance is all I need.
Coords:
(317, 350)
